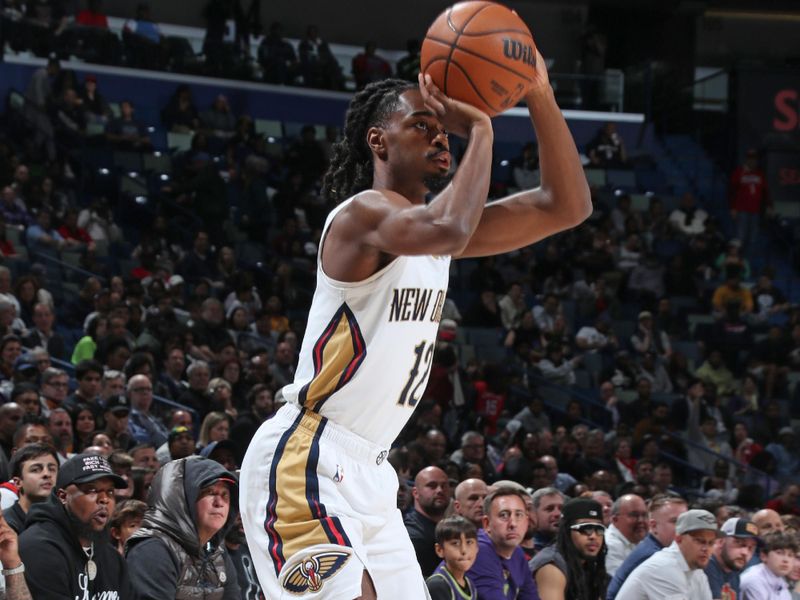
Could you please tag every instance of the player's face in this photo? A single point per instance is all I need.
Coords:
(459, 553)
(425, 150)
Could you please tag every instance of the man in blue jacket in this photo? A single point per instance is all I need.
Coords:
(664, 511)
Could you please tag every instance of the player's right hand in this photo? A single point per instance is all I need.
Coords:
(457, 117)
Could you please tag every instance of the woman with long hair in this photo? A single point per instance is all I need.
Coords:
(10, 349)
(84, 424)
(231, 371)
(26, 291)
(574, 567)
(215, 428)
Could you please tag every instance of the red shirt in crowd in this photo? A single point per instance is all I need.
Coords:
(78, 234)
(91, 19)
(748, 190)
(778, 506)
(489, 405)
(7, 248)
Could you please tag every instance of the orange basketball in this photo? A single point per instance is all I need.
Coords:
(481, 53)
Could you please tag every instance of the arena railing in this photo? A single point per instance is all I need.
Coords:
(688, 493)
(586, 399)
(70, 369)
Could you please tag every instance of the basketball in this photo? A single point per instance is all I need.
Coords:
(481, 53)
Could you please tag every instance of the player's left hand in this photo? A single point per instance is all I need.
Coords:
(541, 80)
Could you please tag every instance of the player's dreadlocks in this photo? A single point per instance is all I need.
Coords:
(586, 580)
(350, 169)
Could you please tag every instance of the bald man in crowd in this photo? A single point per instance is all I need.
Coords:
(431, 495)
(767, 521)
(628, 528)
(469, 495)
(664, 511)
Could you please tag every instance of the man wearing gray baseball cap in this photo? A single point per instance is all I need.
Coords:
(677, 571)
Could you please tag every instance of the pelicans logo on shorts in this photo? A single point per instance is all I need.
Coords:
(310, 574)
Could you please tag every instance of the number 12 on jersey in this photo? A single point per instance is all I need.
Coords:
(423, 357)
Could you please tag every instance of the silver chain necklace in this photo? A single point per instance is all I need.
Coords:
(91, 566)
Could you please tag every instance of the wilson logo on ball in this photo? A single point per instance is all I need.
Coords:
(518, 51)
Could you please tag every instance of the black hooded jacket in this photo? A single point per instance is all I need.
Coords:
(165, 558)
(55, 563)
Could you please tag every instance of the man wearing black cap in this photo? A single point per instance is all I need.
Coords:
(574, 567)
(118, 407)
(65, 545)
(224, 452)
(179, 551)
(731, 556)
(180, 442)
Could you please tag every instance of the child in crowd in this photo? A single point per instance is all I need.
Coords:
(767, 581)
(457, 546)
(127, 518)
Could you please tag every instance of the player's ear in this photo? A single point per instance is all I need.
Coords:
(376, 140)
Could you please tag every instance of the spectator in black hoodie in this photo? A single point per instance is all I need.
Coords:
(59, 532)
(179, 551)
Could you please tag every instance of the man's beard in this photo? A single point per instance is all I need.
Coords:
(435, 510)
(436, 183)
(85, 531)
(729, 564)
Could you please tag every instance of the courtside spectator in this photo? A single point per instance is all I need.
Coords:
(731, 556)
(547, 505)
(179, 551)
(468, 500)
(573, 567)
(33, 471)
(664, 511)
(65, 544)
(431, 498)
(767, 581)
(500, 570)
(457, 546)
(677, 571)
(628, 528)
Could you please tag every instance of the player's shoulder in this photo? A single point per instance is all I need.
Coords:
(372, 206)
(376, 199)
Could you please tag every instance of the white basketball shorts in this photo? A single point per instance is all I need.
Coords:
(319, 506)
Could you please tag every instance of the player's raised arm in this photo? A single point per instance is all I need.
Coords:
(563, 199)
(406, 152)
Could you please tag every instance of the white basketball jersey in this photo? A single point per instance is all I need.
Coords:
(368, 346)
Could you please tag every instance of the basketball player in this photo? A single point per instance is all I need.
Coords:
(318, 498)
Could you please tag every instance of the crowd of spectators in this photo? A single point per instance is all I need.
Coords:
(233, 46)
(570, 369)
